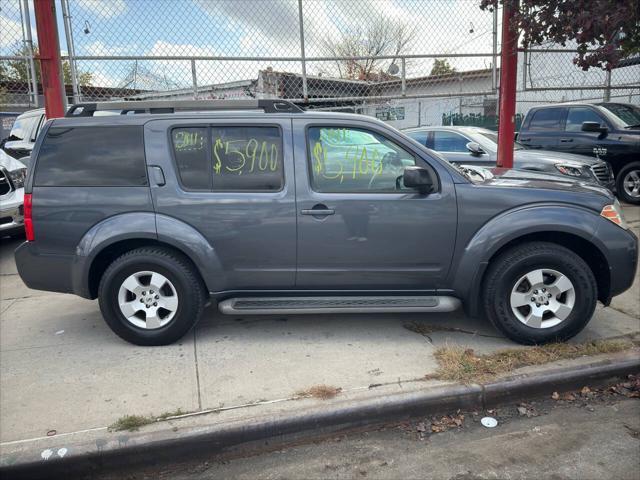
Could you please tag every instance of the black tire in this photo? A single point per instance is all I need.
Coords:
(178, 270)
(505, 271)
(620, 190)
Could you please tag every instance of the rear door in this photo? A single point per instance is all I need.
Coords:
(545, 128)
(232, 180)
(359, 228)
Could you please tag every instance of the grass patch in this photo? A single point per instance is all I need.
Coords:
(175, 413)
(464, 365)
(323, 392)
(131, 423)
(134, 422)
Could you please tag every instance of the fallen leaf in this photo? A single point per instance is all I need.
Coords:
(585, 390)
(555, 396)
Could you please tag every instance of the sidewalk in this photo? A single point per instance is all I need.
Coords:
(64, 371)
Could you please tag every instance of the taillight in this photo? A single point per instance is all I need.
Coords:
(28, 217)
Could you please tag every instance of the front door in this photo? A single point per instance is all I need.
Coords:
(359, 228)
(591, 144)
(453, 146)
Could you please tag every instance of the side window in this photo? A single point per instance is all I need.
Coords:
(229, 158)
(355, 160)
(92, 157)
(21, 128)
(449, 142)
(577, 115)
(546, 119)
(190, 147)
(420, 137)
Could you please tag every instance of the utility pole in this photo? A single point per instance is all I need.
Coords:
(50, 64)
(508, 72)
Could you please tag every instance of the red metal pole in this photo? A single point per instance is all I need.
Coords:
(508, 73)
(49, 53)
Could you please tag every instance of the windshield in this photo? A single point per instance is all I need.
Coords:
(493, 137)
(22, 128)
(628, 114)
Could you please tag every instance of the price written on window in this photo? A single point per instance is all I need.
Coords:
(354, 162)
(244, 156)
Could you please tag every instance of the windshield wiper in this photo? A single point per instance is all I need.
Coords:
(633, 126)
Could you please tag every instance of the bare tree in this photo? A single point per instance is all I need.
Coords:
(382, 37)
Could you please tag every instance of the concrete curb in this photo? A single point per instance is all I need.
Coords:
(149, 448)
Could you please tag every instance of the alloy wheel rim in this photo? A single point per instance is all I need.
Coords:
(631, 183)
(148, 300)
(542, 298)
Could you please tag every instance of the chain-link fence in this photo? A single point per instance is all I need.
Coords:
(406, 62)
(18, 76)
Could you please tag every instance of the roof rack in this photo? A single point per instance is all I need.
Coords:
(168, 106)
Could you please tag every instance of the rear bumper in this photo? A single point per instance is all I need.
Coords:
(44, 271)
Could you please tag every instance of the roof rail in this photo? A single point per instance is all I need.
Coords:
(169, 106)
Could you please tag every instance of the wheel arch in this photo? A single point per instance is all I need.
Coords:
(572, 228)
(109, 253)
(585, 249)
(116, 235)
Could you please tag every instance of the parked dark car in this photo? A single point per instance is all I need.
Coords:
(283, 211)
(479, 146)
(23, 133)
(611, 131)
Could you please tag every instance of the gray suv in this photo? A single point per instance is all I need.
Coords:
(262, 208)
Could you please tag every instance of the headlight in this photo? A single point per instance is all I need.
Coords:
(571, 170)
(614, 213)
(18, 177)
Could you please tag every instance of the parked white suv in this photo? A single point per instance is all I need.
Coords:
(12, 175)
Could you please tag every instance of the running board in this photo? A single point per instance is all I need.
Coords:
(299, 305)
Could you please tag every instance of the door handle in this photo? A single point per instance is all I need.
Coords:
(566, 140)
(157, 175)
(318, 210)
(524, 139)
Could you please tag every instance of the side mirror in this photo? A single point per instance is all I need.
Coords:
(593, 127)
(474, 148)
(418, 178)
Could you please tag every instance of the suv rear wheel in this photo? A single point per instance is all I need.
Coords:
(539, 292)
(151, 296)
(628, 183)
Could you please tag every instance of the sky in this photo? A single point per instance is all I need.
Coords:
(250, 28)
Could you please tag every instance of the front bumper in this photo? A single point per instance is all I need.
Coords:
(621, 250)
(12, 211)
(611, 185)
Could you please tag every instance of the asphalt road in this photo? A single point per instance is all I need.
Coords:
(581, 439)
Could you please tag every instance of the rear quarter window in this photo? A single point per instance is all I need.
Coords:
(92, 156)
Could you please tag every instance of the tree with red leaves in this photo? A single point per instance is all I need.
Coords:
(606, 31)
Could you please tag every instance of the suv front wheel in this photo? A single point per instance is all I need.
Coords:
(628, 183)
(539, 292)
(151, 296)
